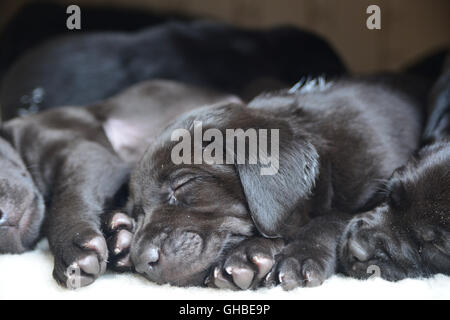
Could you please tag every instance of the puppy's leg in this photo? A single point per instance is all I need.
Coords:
(247, 265)
(311, 258)
(86, 179)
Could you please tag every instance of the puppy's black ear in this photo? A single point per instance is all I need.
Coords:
(273, 197)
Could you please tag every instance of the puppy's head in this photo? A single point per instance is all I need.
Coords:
(21, 204)
(409, 235)
(189, 214)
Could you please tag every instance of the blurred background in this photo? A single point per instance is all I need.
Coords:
(410, 29)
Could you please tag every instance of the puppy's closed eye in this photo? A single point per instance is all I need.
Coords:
(181, 181)
(176, 186)
(183, 190)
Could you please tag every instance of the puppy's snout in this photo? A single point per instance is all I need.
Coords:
(167, 257)
(148, 259)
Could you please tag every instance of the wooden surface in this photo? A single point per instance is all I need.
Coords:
(410, 28)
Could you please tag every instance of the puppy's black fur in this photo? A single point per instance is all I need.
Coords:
(338, 143)
(409, 234)
(17, 37)
(79, 70)
(438, 123)
(76, 160)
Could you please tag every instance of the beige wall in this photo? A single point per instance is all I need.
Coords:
(410, 28)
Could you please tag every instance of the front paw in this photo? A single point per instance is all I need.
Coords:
(303, 265)
(246, 266)
(80, 258)
(118, 228)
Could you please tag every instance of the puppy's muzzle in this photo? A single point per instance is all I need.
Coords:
(164, 257)
(148, 259)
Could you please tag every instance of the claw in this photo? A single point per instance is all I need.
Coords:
(269, 280)
(123, 241)
(220, 281)
(312, 279)
(311, 274)
(288, 276)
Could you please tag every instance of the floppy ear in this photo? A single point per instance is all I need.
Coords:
(273, 198)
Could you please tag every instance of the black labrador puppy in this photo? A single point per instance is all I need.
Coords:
(409, 234)
(66, 167)
(16, 37)
(228, 223)
(78, 70)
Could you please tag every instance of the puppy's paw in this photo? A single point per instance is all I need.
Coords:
(118, 228)
(80, 258)
(246, 266)
(303, 266)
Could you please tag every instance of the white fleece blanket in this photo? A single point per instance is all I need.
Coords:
(29, 276)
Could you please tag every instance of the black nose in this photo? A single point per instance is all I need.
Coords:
(357, 251)
(147, 260)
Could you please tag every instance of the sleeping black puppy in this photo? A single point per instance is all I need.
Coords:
(75, 160)
(16, 37)
(409, 234)
(79, 70)
(236, 228)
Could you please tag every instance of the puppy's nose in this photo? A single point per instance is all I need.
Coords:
(357, 251)
(148, 259)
